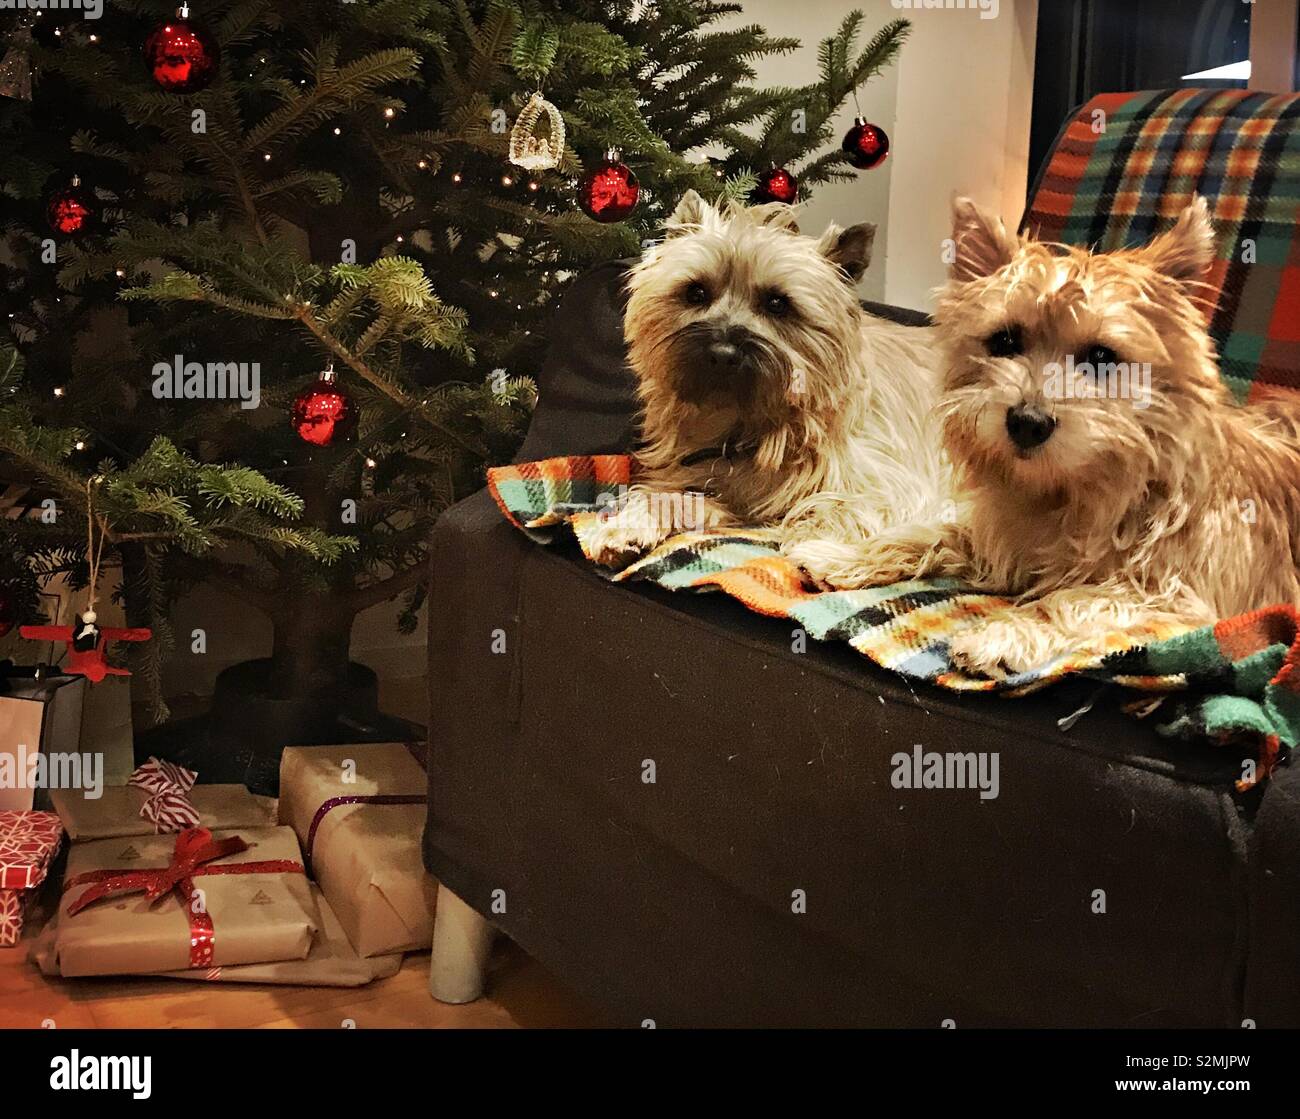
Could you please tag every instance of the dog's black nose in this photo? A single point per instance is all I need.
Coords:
(723, 352)
(1029, 427)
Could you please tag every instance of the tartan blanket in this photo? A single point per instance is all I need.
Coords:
(1127, 163)
(1241, 676)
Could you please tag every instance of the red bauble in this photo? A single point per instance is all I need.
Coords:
(776, 185)
(866, 145)
(181, 55)
(323, 414)
(610, 192)
(73, 210)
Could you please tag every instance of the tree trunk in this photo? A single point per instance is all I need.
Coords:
(309, 653)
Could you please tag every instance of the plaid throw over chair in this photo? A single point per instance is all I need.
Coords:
(1128, 163)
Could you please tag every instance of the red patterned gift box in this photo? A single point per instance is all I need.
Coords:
(12, 904)
(28, 843)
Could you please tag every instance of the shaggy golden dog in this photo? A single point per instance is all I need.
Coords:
(1106, 477)
(768, 396)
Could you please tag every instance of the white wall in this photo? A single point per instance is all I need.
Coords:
(964, 104)
(866, 197)
(956, 106)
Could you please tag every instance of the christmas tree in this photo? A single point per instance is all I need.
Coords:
(328, 183)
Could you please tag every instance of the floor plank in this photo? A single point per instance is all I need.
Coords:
(521, 994)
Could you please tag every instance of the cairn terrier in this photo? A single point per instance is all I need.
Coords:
(769, 397)
(1107, 477)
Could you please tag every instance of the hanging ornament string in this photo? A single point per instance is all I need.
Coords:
(94, 550)
(87, 643)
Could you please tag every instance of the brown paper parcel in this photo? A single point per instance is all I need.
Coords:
(117, 811)
(366, 857)
(332, 962)
(255, 917)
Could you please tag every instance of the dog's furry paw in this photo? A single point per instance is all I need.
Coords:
(969, 653)
(617, 541)
(996, 651)
(832, 566)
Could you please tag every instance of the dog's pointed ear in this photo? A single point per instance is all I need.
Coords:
(1186, 251)
(691, 213)
(850, 248)
(779, 215)
(980, 242)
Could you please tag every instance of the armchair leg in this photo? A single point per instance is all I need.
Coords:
(462, 941)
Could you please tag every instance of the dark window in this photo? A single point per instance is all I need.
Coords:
(1086, 47)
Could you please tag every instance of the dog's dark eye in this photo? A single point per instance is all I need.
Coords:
(1100, 355)
(1006, 342)
(776, 304)
(697, 295)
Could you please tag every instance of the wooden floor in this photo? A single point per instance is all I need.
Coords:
(521, 994)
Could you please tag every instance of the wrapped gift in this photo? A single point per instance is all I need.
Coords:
(332, 961)
(40, 732)
(359, 812)
(198, 899)
(28, 843)
(13, 904)
(137, 810)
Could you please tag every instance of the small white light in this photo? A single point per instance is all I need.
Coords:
(506, 180)
(423, 165)
(533, 184)
(267, 157)
(456, 177)
(79, 445)
(390, 113)
(338, 132)
(370, 464)
(58, 391)
(493, 294)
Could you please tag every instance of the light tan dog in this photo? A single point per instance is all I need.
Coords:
(768, 396)
(1108, 478)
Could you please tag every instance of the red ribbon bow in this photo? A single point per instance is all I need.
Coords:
(169, 807)
(195, 849)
